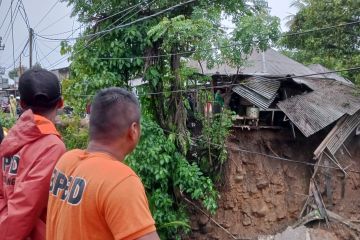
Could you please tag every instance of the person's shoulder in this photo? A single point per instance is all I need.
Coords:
(72, 154)
(118, 169)
(52, 141)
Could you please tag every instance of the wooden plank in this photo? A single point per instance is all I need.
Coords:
(319, 200)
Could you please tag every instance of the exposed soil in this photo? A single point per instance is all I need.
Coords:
(262, 196)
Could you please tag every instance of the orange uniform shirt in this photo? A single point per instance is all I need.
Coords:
(94, 196)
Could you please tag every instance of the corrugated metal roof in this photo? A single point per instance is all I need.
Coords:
(274, 63)
(263, 86)
(320, 69)
(270, 62)
(316, 110)
(259, 91)
(343, 132)
(202, 67)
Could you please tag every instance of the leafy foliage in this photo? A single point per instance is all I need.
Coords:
(165, 173)
(73, 134)
(154, 49)
(210, 147)
(6, 120)
(335, 48)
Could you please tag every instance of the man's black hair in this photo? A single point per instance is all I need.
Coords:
(39, 89)
(112, 112)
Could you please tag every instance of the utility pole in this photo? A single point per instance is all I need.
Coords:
(31, 38)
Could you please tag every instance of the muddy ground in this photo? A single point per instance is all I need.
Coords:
(263, 196)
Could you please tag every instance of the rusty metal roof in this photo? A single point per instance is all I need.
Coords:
(343, 132)
(259, 91)
(316, 110)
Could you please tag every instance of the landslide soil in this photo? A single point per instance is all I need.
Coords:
(262, 196)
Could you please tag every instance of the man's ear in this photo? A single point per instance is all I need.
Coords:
(60, 103)
(135, 131)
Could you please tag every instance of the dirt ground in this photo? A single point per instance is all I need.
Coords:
(263, 196)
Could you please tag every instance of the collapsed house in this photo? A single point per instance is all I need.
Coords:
(274, 92)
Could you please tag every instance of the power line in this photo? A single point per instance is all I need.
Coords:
(178, 5)
(25, 16)
(234, 84)
(13, 18)
(250, 151)
(53, 23)
(19, 55)
(216, 48)
(36, 51)
(237, 84)
(7, 13)
(58, 20)
(12, 35)
(98, 8)
(43, 55)
(324, 28)
(123, 25)
(92, 38)
(101, 20)
(48, 12)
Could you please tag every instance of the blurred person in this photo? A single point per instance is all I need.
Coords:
(28, 155)
(93, 194)
(12, 105)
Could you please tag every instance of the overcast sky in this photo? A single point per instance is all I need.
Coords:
(49, 17)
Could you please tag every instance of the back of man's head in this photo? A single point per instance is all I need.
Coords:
(112, 114)
(40, 90)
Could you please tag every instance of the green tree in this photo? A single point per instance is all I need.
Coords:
(14, 73)
(335, 48)
(154, 49)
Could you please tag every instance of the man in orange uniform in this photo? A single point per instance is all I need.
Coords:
(28, 155)
(93, 194)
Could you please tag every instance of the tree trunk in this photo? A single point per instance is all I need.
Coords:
(178, 114)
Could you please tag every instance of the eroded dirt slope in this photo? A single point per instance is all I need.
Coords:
(262, 196)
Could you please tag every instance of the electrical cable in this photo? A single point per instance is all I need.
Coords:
(234, 84)
(252, 152)
(7, 13)
(19, 55)
(123, 25)
(36, 51)
(68, 14)
(43, 55)
(91, 41)
(98, 8)
(214, 48)
(8, 29)
(103, 19)
(25, 16)
(48, 12)
(12, 36)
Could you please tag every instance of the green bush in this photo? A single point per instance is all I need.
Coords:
(167, 176)
(165, 173)
(73, 134)
(6, 120)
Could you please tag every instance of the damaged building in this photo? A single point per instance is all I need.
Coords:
(301, 128)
